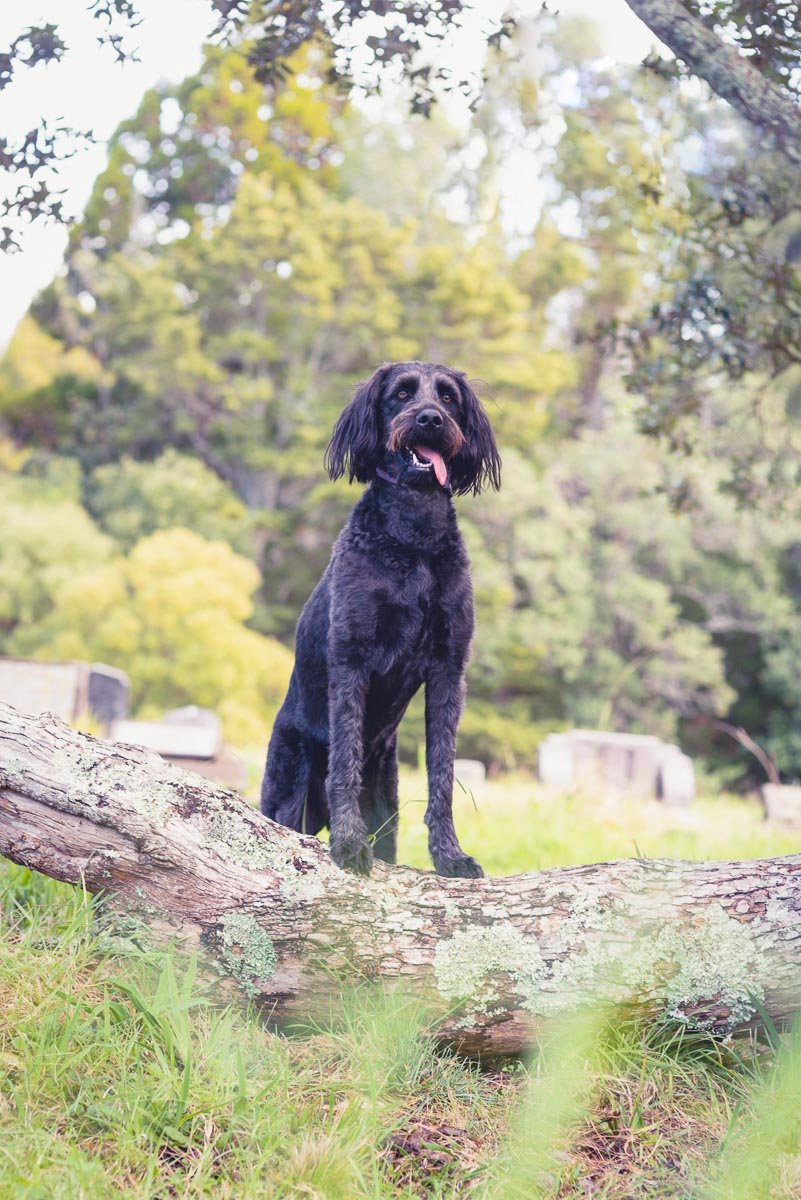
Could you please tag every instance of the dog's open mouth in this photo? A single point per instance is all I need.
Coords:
(426, 458)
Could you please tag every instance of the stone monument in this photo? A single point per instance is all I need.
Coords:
(71, 690)
(622, 763)
(191, 738)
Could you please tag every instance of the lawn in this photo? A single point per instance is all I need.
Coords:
(512, 824)
(120, 1076)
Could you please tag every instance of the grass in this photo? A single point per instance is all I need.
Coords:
(512, 824)
(121, 1077)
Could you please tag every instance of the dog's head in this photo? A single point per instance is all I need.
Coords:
(421, 423)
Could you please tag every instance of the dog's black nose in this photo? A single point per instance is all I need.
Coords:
(429, 418)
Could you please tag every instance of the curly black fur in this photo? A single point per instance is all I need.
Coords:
(393, 610)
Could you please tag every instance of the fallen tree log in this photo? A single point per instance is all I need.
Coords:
(711, 944)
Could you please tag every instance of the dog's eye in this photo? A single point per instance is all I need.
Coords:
(403, 394)
(446, 397)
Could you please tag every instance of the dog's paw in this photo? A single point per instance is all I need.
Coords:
(462, 866)
(352, 854)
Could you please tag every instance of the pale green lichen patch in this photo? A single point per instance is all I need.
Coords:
(152, 801)
(717, 957)
(247, 952)
(783, 913)
(709, 961)
(300, 879)
(99, 771)
(122, 932)
(223, 829)
(483, 963)
(11, 768)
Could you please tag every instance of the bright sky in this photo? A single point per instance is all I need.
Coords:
(88, 90)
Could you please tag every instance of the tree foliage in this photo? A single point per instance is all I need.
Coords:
(253, 249)
(46, 539)
(404, 37)
(68, 593)
(131, 499)
(142, 610)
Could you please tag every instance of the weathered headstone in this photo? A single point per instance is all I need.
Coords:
(469, 771)
(675, 785)
(191, 738)
(36, 687)
(191, 714)
(555, 762)
(622, 763)
(109, 693)
(169, 740)
(782, 804)
(71, 690)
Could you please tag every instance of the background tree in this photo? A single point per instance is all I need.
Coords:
(245, 260)
(131, 499)
(143, 610)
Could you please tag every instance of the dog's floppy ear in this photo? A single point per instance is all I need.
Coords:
(478, 463)
(355, 444)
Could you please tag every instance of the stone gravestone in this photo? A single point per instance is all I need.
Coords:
(109, 693)
(172, 739)
(555, 762)
(71, 690)
(622, 763)
(470, 772)
(675, 785)
(191, 738)
(782, 804)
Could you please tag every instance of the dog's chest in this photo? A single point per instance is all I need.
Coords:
(412, 618)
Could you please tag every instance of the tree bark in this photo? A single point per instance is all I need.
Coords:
(728, 72)
(711, 944)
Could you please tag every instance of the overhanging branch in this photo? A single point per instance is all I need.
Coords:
(730, 75)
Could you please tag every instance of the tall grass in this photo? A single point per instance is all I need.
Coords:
(761, 1154)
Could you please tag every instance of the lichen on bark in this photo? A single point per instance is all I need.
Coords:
(609, 957)
(675, 965)
(246, 951)
(476, 963)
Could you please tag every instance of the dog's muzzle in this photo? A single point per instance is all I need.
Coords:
(427, 440)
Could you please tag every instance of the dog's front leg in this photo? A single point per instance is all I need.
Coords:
(347, 689)
(444, 700)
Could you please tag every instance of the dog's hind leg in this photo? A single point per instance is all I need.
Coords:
(379, 801)
(286, 792)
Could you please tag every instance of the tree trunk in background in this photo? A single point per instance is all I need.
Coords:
(730, 75)
(708, 943)
(592, 401)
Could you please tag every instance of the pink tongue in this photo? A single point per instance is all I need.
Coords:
(440, 470)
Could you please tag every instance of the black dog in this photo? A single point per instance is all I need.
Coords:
(393, 610)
